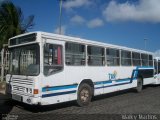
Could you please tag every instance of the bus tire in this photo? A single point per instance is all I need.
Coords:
(139, 85)
(84, 95)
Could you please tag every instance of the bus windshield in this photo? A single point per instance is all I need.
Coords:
(25, 60)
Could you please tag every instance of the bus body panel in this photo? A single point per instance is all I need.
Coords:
(63, 85)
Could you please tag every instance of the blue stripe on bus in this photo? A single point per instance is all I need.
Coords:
(110, 81)
(98, 83)
(112, 85)
(144, 67)
(103, 82)
(74, 91)
(59, 93)
(58, 88)
(74, 86)
(107, 82)
(123, 80)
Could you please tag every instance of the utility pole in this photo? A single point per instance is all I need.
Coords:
(145, 44)
(60, 16)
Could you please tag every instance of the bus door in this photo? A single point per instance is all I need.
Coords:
(53, 67)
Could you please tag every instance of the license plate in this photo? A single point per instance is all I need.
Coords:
(17, 97)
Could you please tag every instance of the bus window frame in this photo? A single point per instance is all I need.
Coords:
(85, 54)
(143, 60)
(119, 57)
(38, 57)
(62, 57)
(126, 58)
(135, 59)
(103, 57)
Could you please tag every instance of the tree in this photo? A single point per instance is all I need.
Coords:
(12, 22)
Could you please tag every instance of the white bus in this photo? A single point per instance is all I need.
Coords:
(48, 68)
(157, 70)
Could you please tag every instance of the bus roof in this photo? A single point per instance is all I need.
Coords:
(81, 40)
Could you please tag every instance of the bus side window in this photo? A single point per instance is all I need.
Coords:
(150, 60)
(136, 59)
(75, 54)
(52, 59)
(125, 58)
(95, 56)
(112, 57)
(145, 59)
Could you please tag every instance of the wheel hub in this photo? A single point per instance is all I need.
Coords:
(84, 95)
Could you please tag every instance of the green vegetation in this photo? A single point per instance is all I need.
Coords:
(12, 22)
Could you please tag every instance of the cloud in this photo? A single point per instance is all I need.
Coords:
(70, 4)
(142, 11)
(157, 53)
(63, 30)
(77, 19)
(97, 22)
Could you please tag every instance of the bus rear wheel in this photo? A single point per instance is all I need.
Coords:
(139, 85)
(84, 95)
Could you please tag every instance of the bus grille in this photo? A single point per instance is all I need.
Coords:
(18, 88)
(19, 85)
(22, 81)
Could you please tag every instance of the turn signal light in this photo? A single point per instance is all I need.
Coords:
(35, 91)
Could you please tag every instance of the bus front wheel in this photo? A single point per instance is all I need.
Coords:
(84, 95)
(139, 85)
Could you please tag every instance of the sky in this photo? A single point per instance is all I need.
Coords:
(129, 23)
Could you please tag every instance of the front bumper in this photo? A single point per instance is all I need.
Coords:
(25, 99)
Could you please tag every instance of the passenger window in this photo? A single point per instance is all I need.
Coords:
(52, 59)
(95, 56)
(136, 59)
(145, 60)
(125, 58)
(150, 60)
(112, 56)
(75, 54)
